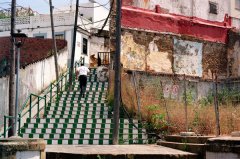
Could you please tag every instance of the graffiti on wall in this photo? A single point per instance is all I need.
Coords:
(188, 57)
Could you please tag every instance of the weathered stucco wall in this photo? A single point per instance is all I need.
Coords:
(188, 57)
(164, 53)
(233, 54)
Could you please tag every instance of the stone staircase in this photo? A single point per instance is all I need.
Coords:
(72, 120)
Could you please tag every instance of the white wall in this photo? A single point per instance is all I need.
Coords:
(41, 25)
(79, 48)
(33, 79)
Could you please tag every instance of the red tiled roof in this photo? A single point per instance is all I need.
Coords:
(33, 50)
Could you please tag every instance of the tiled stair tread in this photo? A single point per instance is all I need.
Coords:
(81, 112)
(78, 104)
(86, 95)
(70, 126)
(99, 98)
(78, 130)
(91, 142)
(77, 92)
(77, 113)
(77, 108)
(83, 135)
(67, 120)
(78, 116)
(81, 102)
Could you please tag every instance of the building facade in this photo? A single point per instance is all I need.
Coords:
(39, 26)
(213, 10)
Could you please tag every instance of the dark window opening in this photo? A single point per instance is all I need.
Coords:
(59, 36)
(39, 36)
(213, 8)
(85, 46)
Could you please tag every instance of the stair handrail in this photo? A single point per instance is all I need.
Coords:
(48, 90)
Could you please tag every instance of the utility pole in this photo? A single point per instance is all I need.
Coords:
(12, 72)
(117, 86)
(73, 47)
(54, 41)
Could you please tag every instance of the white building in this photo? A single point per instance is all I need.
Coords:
(40, 26)
(213, 10)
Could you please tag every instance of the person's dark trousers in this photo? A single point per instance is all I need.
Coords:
(83, 84)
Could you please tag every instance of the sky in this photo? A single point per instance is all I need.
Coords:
(42, 6)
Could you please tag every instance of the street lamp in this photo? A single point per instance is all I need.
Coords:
(19, 41)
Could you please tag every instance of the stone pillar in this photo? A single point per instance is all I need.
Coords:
(18, 148)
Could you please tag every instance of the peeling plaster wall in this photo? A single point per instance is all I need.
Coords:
(146, 51)
(188, 58)
(163, 53)
(233, 54)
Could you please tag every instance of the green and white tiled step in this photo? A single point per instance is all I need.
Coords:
(78, 104)
(82, 108)
(78, 130)
(92, 142)
(93, 116)
(92, 89)
(125, 127)
(75, 121)
(93, 84)
(82, 136)
(86, 112)
(85, 98)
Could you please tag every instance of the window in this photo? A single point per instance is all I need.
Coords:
(237, 4)
(213, 9)
(85, 46)
(39, 36)
(59, 36)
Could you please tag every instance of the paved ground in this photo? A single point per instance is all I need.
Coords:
(115, 150)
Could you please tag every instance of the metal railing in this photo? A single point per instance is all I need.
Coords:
(103, 58)
(33, 101)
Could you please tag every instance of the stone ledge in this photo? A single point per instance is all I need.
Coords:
(224, 144)
(19, 144)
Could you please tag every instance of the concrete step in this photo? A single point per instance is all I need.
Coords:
(187, 139)
(115, 152)
(189, 147)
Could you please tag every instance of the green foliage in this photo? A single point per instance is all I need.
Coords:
(189, 96)
(224, 97)
(157, 120)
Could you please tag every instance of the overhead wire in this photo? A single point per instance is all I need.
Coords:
(104, 24)
(100, 5)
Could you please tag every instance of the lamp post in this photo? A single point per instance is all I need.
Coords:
(20, 39)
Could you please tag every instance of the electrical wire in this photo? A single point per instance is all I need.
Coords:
(100, 5)
(83, 23)
(104, 24)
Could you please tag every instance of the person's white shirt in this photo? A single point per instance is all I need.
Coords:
(82, 70)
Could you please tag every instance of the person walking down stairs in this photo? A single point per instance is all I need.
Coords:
(81, 74)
